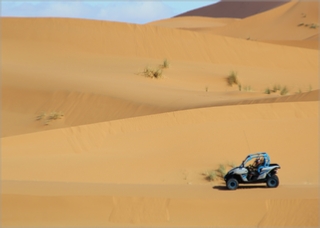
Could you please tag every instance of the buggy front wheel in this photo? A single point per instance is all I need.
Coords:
(232, 184)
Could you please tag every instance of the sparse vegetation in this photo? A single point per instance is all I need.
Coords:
(152, 73)
(267, 91)
(314, 26)
(156, 73)
(311, 25)
(233, 79)
(165, 64)
(284, 91)
(218, 173)
(211, 176)
(47, 118)
(221, 170)
(207, 88)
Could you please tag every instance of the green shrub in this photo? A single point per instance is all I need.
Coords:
(165, 64)
(152, 73)
(284, 91)
(267, 91)
(222, 170)
(47, 118)
(233, 79)
(314, 26)
(211, 176)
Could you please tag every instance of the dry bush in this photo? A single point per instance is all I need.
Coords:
(233, 79)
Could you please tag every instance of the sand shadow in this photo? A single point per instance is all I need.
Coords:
(224, 188)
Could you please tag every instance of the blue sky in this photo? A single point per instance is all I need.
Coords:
(133, 11)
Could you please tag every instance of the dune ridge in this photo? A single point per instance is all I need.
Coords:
(97, 38)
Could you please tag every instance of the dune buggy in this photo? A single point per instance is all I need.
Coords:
(260, 171)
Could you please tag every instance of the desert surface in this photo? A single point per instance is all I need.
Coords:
(109, 124)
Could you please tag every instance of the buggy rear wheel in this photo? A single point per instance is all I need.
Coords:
(273, 181)
(232, 184)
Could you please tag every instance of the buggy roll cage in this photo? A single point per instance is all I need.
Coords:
(264, 155)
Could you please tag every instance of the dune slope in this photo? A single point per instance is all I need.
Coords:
(80, 68)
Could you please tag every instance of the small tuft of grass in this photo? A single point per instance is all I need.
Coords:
(152, 73)
(165, 64)
(301, 24)
(267, 91)
(233, 79)
(41, 116)
(211, 176)
(284, 91)
(310, 88)
(222, 170)
(314, 26)
(55, 115)
(47, 118)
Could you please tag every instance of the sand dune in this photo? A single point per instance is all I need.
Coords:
(115, 153)
(227, 8)
(193, 22)
(290, 22)
(89, 82)
(114, 148)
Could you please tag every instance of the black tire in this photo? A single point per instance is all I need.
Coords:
(273, 181)
(232, 184)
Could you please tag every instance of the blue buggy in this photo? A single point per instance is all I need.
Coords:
(260, 171)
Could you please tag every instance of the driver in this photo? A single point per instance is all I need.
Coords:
(255, 171)
(257, 163)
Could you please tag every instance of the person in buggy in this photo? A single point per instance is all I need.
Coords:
(255, 168)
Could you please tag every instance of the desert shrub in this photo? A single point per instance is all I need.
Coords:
(41, 116)
(152, 73)
(301, 24)
(165, 64)
(267, 91)
(211, 176)
(55, 115)
(314, 26)
(284, 91)
(233, 79)
(47, 118)
(222, 170)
